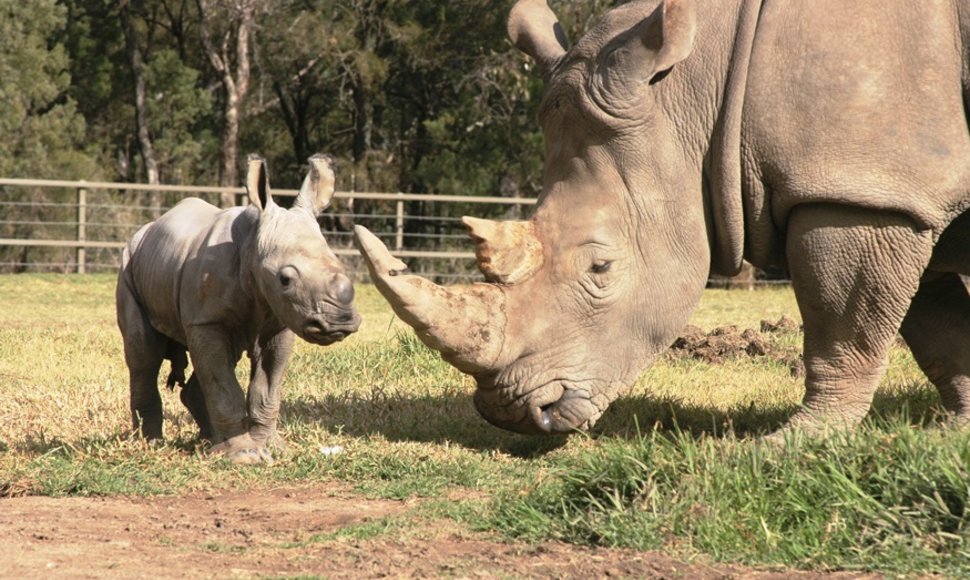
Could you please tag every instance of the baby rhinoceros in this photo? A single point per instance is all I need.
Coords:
(222, 282)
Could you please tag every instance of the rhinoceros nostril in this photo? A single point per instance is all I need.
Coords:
(314, 327)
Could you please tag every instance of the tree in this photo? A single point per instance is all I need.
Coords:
(231, 60)
(137, 65)
(41, 132)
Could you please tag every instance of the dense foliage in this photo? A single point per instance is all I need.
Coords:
(418, 96)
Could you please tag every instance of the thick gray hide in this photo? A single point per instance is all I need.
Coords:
(683, 136)
(223, 282)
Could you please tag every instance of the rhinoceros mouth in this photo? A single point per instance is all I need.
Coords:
(328, 330)
(555, 407)
(326, 339)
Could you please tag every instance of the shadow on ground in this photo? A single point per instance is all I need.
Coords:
(453, 419)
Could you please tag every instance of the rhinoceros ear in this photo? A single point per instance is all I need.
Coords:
(652, 47)
(318, 187)
(535, 30)
(508, 252)
(257, 182)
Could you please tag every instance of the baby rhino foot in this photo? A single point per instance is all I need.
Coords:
(269, 441)
(242, 450)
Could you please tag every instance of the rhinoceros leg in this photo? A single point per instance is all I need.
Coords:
(214, 360)
(193, 399)
(937, 329)
(854, 272)
(144, 352)
(269, 360)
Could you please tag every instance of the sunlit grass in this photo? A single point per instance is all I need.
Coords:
(408, 428)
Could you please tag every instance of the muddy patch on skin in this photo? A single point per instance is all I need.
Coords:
(728, 342)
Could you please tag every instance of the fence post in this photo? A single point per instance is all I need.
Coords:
(399, 226)
(82, 234)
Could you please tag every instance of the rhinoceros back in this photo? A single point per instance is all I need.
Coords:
(161, 261)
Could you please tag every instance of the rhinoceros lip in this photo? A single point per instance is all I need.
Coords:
(542, 416)
(326, 338)
(333, 332)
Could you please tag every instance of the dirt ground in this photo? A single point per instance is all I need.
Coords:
(724, 342)
(289, 532)
(293, 531)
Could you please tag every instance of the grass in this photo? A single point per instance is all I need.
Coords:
(669, 466)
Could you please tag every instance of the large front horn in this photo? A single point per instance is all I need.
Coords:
(465, 324)
(508, 252)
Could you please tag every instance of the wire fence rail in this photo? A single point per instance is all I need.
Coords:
(82, 226)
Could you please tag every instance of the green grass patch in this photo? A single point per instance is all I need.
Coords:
(672, 465)
(888, 497)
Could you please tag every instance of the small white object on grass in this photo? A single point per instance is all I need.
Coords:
(331, 450)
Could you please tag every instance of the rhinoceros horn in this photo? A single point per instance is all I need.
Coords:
(465, 324)
(508, 252)
(535, 30)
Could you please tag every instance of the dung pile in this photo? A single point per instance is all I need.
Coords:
(725, 342)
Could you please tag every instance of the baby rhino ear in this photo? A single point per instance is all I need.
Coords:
(318, 187)
(257, 182)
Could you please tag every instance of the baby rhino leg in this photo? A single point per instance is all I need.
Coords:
(269, 360)
(225, 402)
(144, 352)
(193, 399)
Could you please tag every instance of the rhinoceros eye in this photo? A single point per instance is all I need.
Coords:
(287, 275)
(601, 267)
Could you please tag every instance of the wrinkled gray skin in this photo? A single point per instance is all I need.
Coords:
(222, 282)
(682, 136)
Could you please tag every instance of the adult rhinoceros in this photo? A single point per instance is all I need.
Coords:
(223, 282)
(683, 136)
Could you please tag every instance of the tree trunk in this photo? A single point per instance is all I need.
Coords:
(235, 84)
(142, 123)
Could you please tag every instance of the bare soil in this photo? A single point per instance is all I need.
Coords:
(725, 342)
(292, 532)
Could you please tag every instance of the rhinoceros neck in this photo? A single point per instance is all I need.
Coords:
(245, 228)
(707, 98)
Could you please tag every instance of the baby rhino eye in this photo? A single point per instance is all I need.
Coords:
(601, 267)
(287, 275)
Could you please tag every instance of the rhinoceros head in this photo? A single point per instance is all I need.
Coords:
(295, 270)
(581, 297)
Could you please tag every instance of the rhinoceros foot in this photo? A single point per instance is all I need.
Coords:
(275, 445)
(243, 450)
(268, 438)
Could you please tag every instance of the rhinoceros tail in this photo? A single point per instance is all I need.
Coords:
(177, 354)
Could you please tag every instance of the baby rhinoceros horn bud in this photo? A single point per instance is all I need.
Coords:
(508, 252)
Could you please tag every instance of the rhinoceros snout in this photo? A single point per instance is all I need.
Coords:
(320, 330)
(342, 290)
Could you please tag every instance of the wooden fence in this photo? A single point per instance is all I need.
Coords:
(58, 214)
(79, 226)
